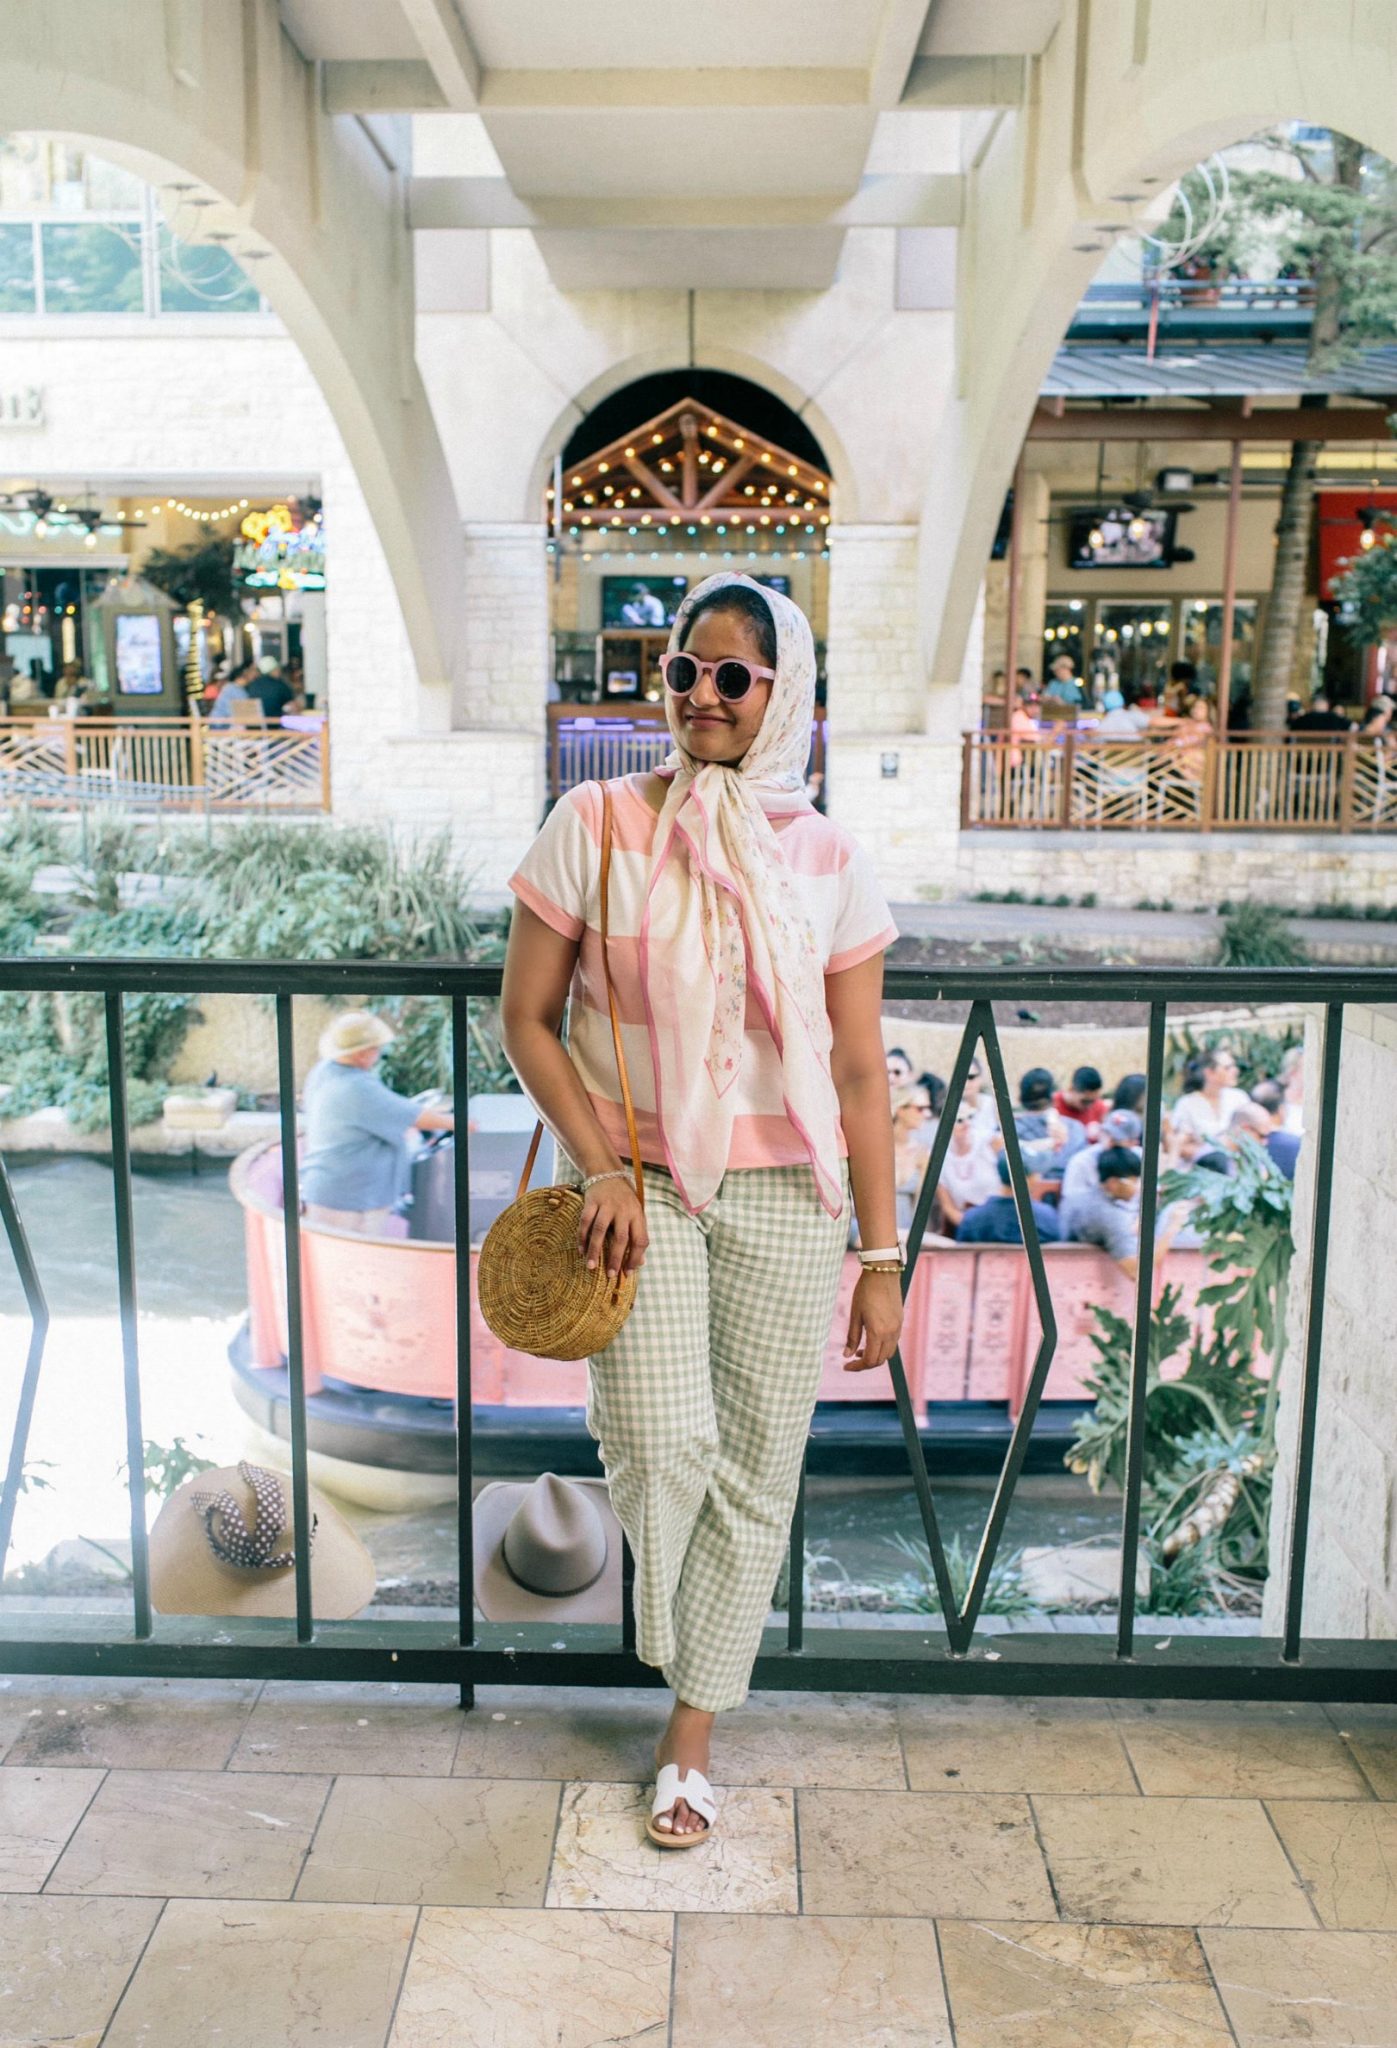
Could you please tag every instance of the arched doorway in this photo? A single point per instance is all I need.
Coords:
(671, 478)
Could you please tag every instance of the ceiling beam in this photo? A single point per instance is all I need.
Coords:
(1157, 423)
(899, 33)
(388, 87)
(965, 84)
(771, 86)
(933, 199)
(447, 48)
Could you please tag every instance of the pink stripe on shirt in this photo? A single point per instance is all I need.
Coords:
(559, 880)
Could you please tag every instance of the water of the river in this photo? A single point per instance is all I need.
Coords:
(192, 1294)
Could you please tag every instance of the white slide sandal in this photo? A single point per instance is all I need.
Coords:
(695, 1790)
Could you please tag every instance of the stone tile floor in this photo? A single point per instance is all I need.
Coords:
(332, 1866)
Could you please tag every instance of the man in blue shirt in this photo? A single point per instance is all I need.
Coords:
(997, 1221)
(355, 1162)
(1106, 1212)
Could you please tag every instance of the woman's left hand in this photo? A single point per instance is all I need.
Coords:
(875, 1321)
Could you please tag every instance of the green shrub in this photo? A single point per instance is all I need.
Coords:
(1255, 935)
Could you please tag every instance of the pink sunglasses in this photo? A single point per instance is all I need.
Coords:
(732, 679)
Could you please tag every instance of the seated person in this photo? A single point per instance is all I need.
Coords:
(968, 1174)
(1083, 1102)
(1282, 1143)
(355, 1163)
(1080, 1178)
(1052, 1138)
(997, 1220)
(1108, 1212)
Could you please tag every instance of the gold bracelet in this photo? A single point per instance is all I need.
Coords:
(882, 1266)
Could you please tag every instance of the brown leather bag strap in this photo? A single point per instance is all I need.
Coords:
(631, 1132)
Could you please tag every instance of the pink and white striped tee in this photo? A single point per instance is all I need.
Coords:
(559, 879)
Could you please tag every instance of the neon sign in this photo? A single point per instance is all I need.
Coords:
(275, 553)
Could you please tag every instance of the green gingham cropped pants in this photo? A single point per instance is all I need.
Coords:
(701, 1407)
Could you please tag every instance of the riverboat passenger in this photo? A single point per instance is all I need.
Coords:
(747, 935)
(356, 1162)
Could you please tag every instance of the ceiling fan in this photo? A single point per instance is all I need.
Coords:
(52, 513)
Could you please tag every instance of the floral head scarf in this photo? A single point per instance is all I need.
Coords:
(723, 924)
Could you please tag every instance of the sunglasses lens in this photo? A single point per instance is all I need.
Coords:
(681, 673)
(732, 679)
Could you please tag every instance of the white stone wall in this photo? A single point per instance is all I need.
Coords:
(1351, 1569)
(872, 657)
(908, 820)
(1192, 870)
(501, 679)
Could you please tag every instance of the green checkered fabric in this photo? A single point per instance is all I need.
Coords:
(701, 1407)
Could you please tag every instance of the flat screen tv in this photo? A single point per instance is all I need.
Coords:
(648, 601)
(781, 583)
(1102, 538)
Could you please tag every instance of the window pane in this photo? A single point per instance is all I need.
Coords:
(16, 267)
(41, 175)
(200, 277)
(93, 268)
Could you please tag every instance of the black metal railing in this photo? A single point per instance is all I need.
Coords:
(950, 1656)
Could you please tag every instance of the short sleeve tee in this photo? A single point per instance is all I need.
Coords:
(355, 1155)
(1093, 1218)
(559, 879)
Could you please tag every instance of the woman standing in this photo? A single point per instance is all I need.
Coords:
(747, 935)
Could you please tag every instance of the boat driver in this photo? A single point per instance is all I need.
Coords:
(355, 1162)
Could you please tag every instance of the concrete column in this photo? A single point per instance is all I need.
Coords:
(503, 671)
(1035, 538)
(1351, 1576)
(875, 665)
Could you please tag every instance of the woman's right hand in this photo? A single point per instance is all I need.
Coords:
(612, 1230)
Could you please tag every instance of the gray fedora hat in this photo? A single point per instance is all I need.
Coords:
(547, 1550)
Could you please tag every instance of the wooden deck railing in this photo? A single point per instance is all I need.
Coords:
(163, 763)
(1251, 782)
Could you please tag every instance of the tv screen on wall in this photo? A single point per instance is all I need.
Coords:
(1113, 537)
(645, 601)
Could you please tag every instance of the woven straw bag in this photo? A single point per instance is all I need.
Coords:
(535, 1290)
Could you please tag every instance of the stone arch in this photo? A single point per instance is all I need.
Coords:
(234, 109)
(1206, 80)
(737, 363)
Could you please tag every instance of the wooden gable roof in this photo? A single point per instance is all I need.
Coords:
(689, 468)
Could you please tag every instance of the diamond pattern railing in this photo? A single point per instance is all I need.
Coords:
(949, 1657)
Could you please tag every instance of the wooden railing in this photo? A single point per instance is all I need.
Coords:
(169, 763)
(1250, 782)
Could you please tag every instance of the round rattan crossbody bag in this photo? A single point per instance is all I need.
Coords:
(536, 1292)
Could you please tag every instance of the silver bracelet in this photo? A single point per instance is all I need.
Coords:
(893, 1251)
(614, 1173)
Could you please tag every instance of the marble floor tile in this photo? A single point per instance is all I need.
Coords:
(573, 1732)
(1011, 1746)
(200, 1834)
(1346, 1856)
(1371, 1734)
(923, 1853)
(63, 1963)
(1170, 1862)
(1054, 1986)
(39, 1810)
(161, 1724)
(405, 1730)
(433, 1842)
(253, 1974)
(1242, 1751)
(505, 1979)
(809, 1738)
(744, 1980)
(1328, 1990)
(603, 1856)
